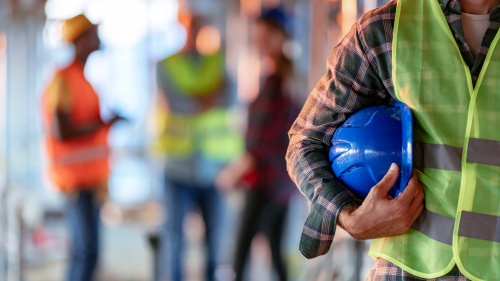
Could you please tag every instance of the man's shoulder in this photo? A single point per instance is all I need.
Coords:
(375, 27)
(60, 77)
(385, 12)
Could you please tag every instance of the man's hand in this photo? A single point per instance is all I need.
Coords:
(380, 215)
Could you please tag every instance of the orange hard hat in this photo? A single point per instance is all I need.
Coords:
(75, 27)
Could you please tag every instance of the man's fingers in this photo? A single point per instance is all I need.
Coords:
(417, 199)
(417, 212)
(388, 181)
(410, 190)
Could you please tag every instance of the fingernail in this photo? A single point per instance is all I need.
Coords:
(393, 167)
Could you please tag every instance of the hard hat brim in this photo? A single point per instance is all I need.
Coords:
(406, 168)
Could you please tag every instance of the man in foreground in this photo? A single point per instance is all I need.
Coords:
(439, 58)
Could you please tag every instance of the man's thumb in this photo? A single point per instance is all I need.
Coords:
(388, 181)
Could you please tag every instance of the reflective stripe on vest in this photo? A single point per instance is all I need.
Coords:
(457, 149)
(472, 225)
(445, 157)
(209, 133)
(437, 156)
(80, 156)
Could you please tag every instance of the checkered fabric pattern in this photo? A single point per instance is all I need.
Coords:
(269, 118)
(385, 270)
(358, 76)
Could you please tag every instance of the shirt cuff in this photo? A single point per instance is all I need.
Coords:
(319, 229)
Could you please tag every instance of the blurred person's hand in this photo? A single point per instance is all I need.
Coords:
(231, 176)
(101, 193)
(226, 181)
(380, 215)
(117, 118)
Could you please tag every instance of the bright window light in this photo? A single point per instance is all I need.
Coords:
(52, 34)
(162, 13)
(64, 9)
(123, 23)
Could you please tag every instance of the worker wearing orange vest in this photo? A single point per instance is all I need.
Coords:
(76, 143)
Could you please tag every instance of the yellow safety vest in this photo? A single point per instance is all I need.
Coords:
(456, 147)
(195, 76)
(210, 133)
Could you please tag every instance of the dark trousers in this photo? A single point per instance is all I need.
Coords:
(179, 200)
(83, 219)
(260, 213)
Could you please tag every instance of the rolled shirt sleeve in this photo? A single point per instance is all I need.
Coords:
(357, 77)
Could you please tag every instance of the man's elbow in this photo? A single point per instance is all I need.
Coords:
(60, 134)
(291, 160)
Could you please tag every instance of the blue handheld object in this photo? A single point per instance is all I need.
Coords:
(366, 145)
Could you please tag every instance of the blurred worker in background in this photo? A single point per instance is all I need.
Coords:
(196, 139)
(76, 142)
(263, 168)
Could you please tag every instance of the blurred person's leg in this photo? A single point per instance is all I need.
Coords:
(211, 205)
(83, 218)
(177, 200)
(277, 215)
(254, 206)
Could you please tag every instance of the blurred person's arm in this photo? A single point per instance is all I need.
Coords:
(232, 175)
(168, 101)
(221, 97)
(64, 129)
(358, 76)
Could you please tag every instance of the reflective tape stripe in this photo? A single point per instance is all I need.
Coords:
(84, 155)
(482, 151)
(472, 225)
(435, 226)
(479, 226)
(446, 157)
(437, 156)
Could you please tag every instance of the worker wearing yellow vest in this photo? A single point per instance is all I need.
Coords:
(197, 140)
(414, 52)
(77, 148)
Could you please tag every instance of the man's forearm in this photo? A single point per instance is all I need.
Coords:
(344, 215)
(65, 130)
(309, 167)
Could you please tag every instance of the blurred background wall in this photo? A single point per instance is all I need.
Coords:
(135, 35)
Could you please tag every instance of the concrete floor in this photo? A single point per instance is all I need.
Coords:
(127, 256)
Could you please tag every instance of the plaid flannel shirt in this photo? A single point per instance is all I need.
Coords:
(269, 117)
(358, 76)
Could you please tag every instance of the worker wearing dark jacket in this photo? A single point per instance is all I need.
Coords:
(263, 167)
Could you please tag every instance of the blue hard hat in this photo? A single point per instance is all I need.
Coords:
(366, 145)
(279, 18)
